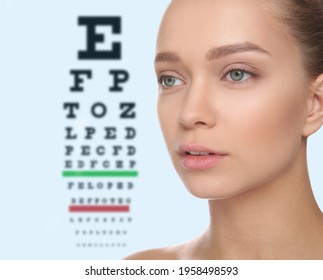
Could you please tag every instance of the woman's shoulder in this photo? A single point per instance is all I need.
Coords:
(184, 251)
(167, 253)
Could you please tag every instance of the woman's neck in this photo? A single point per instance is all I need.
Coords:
(280, 220)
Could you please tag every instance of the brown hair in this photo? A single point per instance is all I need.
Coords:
(304, 19)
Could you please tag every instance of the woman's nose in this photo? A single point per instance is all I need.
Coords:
(198, 108)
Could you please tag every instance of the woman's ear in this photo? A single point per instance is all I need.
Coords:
(314, 118)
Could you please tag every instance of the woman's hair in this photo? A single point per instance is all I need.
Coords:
(304, 19)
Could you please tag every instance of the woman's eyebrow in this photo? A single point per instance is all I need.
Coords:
(216, 52)
(167, 57)
(229, 49)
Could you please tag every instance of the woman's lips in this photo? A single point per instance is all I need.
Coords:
(197, 157)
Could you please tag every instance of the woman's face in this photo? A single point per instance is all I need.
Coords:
(232, 95)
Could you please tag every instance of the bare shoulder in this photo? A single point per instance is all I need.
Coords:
(185, 251)
(167, 253)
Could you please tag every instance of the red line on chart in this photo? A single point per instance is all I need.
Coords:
(99, 208)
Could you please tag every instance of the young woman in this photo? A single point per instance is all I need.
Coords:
(240, 90)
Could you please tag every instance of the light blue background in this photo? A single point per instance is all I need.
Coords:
(38, 46)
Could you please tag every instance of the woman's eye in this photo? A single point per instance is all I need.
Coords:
(170, 81)
(238, 75)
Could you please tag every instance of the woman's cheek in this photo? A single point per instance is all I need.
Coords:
(270, 130)
(167, 115)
